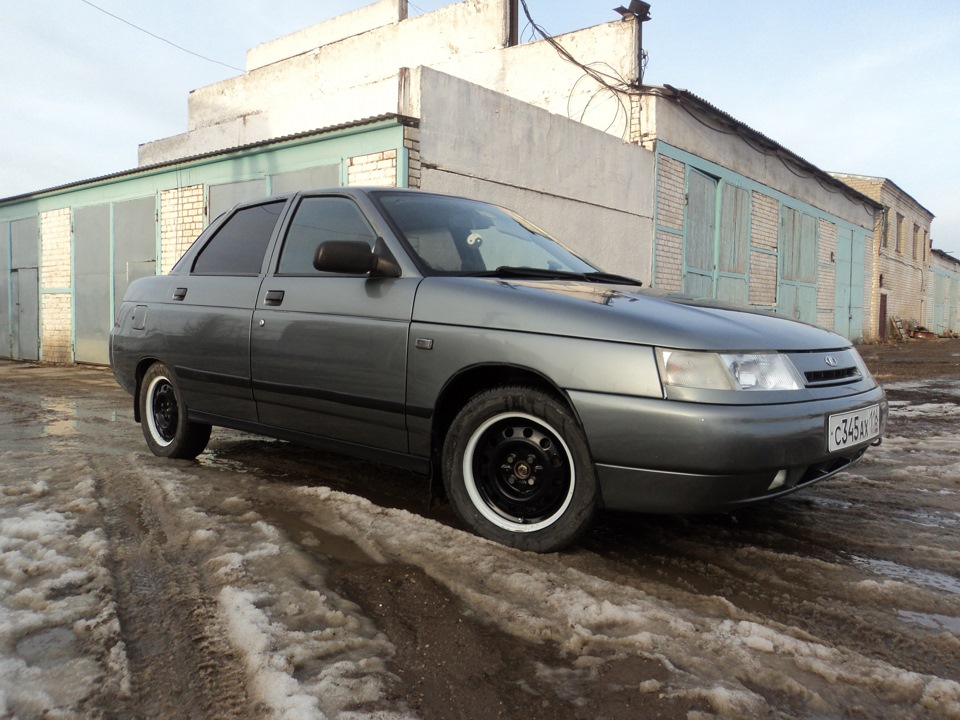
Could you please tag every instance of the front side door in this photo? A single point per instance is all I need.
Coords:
(328, 352)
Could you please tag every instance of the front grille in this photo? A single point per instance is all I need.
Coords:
(826, 368)
(820, 377)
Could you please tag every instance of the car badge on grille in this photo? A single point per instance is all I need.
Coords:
(830, 360)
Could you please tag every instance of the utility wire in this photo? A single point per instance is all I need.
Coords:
(161, 39)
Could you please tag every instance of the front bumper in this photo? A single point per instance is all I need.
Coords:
(663, 456)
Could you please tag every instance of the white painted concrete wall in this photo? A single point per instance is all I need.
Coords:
(369, 17)
(591, 190)
(355, 77)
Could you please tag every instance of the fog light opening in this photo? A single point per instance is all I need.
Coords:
(778, 480)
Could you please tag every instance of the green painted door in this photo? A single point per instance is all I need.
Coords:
(716, 247)
(733, 247)
(701, 238)
(797, 288)
(848, 306)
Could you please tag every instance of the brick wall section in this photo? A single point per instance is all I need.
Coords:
(55, 259)
(764, 222)
(379, 168)
(57, 312)
(763, 279)
(671, 193)
(826, 274)
(636, 127)
(764, 226)
(671, 196)
(181, 221)
(669, 261)
(56, 309)
(411, 141)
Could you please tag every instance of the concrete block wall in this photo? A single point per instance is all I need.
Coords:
(764, 225)
(181, 221)
(56, 280)
(379, 168)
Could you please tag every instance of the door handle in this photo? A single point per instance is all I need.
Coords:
(179, 293)
(273, 297)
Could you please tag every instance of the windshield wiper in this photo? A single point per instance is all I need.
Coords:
(510, 271)
(598, 276)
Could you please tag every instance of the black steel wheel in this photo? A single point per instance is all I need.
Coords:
(517, 469)
(163, 417)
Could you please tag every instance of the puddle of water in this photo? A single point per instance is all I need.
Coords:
(313, 537)
(947, 623)
(916, 576)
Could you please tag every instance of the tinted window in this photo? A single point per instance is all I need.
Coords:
(318, 220)
(239, 246)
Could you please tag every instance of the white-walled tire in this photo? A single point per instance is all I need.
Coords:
(163, 417)
(517, 470)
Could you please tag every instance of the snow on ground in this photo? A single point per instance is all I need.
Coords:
(310, 653)
(60, 643)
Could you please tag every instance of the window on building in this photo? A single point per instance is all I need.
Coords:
(885, 229)
(317, 220)
(900, 219)
(916, 241)
(240, 244)
(926, 244)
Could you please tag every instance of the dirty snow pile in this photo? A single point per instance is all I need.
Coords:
(60, 646)
(308, 652)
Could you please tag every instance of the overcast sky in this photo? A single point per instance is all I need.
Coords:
(866, 87)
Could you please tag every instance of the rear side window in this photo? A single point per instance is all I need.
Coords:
(239, 246)
(317, 220)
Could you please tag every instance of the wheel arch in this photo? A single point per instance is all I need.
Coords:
(141, 370)
(475, 379)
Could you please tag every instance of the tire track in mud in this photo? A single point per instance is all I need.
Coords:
(180, 665)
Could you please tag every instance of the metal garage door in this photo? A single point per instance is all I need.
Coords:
(134, 243)
(93, 309)
(19, 290)
(797, 289)
(223, 197)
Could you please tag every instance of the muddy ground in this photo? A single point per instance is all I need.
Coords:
(266, 579)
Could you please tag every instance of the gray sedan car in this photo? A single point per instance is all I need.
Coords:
(454, 338)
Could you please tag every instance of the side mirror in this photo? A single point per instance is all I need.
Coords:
(354, 257)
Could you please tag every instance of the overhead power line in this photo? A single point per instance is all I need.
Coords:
(161, 39)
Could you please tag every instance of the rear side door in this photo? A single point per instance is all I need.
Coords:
(329, 351)
(206, 319)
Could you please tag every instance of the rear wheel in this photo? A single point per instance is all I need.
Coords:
(517, 469)
(163, 417)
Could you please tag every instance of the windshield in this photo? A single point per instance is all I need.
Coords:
(455, 235)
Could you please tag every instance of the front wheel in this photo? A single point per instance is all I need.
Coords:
(163, 417)
(517, 470)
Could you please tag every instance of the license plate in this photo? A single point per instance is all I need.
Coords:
(853, 428)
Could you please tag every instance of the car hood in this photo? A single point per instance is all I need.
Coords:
(612, 312)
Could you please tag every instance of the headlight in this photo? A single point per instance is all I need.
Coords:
(723, 371)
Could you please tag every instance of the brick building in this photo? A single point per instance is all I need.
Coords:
(900, 282)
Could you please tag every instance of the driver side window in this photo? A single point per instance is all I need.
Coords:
(317, 220)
